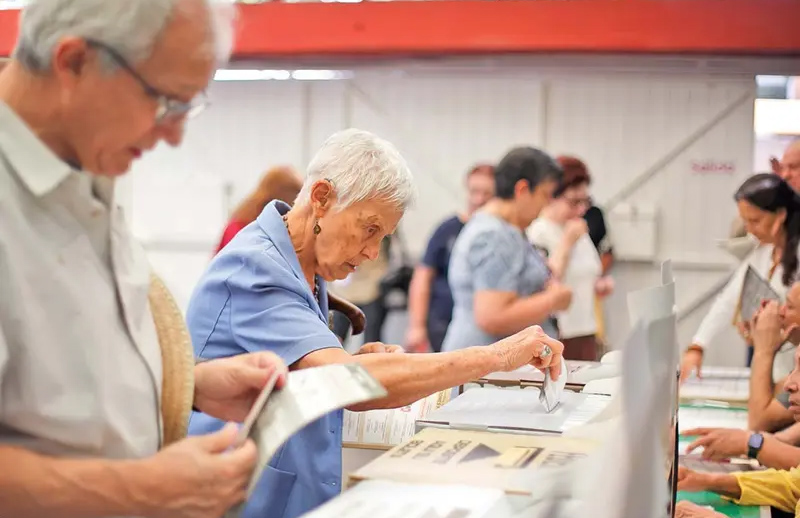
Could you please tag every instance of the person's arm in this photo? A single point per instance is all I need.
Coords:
(775, 488)
(501, 313)
(496, 263)
(410, 377)
(722, 310)
(764, 412)
(790, 435)
(419, 296)
(44, 487)
(777, 454)
(607, 260)
(560, 251)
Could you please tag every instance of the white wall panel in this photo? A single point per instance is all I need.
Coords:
(443, 125)
(622, 125)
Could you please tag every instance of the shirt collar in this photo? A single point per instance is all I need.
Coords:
(31, 160)
(271, 222)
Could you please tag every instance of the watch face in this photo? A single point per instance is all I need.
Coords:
(755, 441)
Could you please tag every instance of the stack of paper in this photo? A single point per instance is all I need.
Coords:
(734, 390)
(509, 462)
(387, 499)
(386, 428)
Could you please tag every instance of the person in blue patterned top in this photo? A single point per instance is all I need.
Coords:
(500, 283)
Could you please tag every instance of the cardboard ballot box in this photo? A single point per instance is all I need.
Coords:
(516, 411)
(580, 373)
(483, 459)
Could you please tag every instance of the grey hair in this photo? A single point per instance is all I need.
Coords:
(129, 27)
(361, 166)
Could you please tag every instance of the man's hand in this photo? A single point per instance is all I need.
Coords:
(692, 361)
(377, 347)
(718, 443)
(530, 346)
(767, 329)
(686, 509)
(227, 388)
(198, 477)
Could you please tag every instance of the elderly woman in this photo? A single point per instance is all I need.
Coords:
(267, 290)
(500, 282)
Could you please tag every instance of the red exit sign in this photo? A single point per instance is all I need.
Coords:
(713, 167)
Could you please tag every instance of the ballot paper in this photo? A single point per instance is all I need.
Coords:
(754, 290)
(551, 392)
(389, 499)
(307, 395)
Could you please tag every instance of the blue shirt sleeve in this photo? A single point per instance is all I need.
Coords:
(495, 261)
(267, 314)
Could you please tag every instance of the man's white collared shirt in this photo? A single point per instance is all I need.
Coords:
(80, 364)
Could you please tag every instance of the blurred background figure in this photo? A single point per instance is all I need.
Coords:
(430, 303)
(279, 183)
(562, 234)
(500, 283)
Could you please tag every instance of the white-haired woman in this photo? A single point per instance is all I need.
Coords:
(266, 290)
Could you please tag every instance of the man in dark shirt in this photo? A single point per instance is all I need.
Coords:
(430, 303)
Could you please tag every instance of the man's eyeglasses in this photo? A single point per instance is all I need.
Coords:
(577, 202)
(169, 109)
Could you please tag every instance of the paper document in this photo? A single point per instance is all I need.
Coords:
(754, 289)
(552, 391)
(307, 395)
(388, 499)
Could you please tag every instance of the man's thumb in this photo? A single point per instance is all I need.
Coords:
(220, 441)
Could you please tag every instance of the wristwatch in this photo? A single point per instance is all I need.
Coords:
(754, 444)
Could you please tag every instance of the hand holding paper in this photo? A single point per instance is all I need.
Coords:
(529, 346)
(552, 390)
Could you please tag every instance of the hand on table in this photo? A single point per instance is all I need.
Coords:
(226, 388)
(686, 509)
(718, 443)
(692, 361)
(692, 481)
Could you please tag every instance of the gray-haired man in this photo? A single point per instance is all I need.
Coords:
(93, 85)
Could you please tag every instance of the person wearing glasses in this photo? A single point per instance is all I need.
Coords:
(562, 234)
(97, 376)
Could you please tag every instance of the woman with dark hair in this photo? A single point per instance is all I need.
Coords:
(500, 283)
(562, 234)
(770, 209)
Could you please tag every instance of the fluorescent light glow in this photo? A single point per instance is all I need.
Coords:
(777, 117)
(281, 75)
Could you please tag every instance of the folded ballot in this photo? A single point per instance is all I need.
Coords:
(306, 396)
(552, 391)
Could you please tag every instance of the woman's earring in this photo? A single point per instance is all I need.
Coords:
(317, 229)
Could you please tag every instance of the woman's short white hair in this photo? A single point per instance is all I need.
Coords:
(361, 166)
(129, 27)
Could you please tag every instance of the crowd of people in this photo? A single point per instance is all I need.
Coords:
(100, 381)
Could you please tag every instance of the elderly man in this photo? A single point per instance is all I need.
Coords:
(93, 85)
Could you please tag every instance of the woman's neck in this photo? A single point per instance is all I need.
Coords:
(505, 210)
(300, 224)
